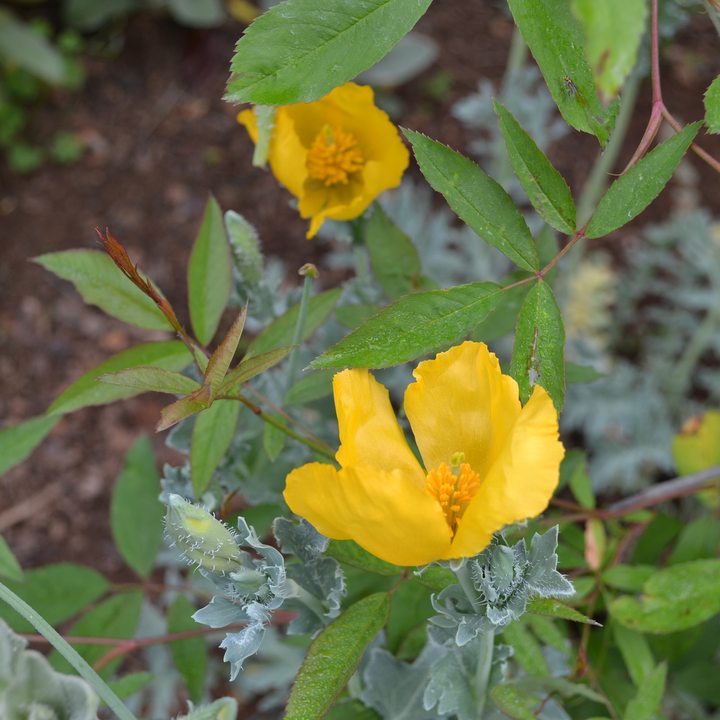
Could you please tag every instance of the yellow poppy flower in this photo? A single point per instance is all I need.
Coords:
(335, 155)
(488, 461)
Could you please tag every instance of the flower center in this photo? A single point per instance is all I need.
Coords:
(453, 487)
(333, 156)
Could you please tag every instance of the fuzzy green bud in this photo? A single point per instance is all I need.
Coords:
(201, 538)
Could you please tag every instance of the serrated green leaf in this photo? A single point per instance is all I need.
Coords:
(116, 617)
(633, 191)
(129, 684)
(209, 274)
(353, 316)
(554, 608)
(630, 578)
(22, 46)
(395, 261)
(649, 695)
(538, 353)
(334, 655)
(528, 653)
(613, 30)
(18, 441)
(214, 430)
(298, 51)
(149, 378)
(313, 386)
(136, 514)
(413, 326)
(543, 184)
(189, 655)
(350, 553)
(9, 566)
(673, 599)
(513, 702)
(252, 366)
(556, 40)
(280, 332)
(712, 106)
(635, 651)
(168, 355)
(245, 246)
(477, 199)
(274, 438)
(57, 592)
(100, 283)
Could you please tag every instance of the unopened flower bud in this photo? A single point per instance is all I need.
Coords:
(201, 538)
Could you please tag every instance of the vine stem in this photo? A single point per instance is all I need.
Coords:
(68, 652)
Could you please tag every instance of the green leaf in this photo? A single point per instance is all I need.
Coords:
(189, 655)
(436, 578)
(554, 608)
(57, 592)
(647, 700)
(168, 355)
(18, 441)
(544, 684)
(712, 106)
(136, 514)
(545, 187)
(538, 353)
(22, 46)
(280, 332)
(185, 407)
(116, 617)
(580, 485)
(657, 536)
(613, 33)
(209, 274)
(633, 191)
(274, 438)
(635, 651)
(629, 578)
(477, 199)
(129, 684)
(698, 539)
(556, 40)
(528, 653)
(9, 566)
(214, 430)
(353, 316)
(395, 261)
(351, 710)
(503, 318)
(580, 373)
(673, 599)
(149, 378)
(313, 386)
(547, 630)
(252, 366)
(350, 553)
(220, 361)
(245, 247)
(513, 702)
(298, 52)
(334, 655)
(412, 326)
(98, 280)
(411, 607)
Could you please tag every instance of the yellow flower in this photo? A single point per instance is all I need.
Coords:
(488, 461)
(335, 155)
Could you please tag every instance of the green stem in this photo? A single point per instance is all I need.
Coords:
(68, 652)
(322, 449)
(299, 331)
(484, 666)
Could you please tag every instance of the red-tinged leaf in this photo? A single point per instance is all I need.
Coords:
(179, 410)
(152, 378)
(222, 357)
(253, 366)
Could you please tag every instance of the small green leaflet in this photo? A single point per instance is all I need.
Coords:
(712, 106)
(649, 695)
(334, 655)
(556, 40)
(633, 191)
(100, 283)
(9, 566)
(477, 199)
(274, 438)
(545, 187)
(136, 514)
(251, 367)
(189, 655)
(580, 373)
(527, 650)
(18, 441)
(554, 608)
(313, 386)
(636, 652)
(150, 378)
(129, 684)
(209, 274)
(538, 353)
(169, 355)
(298, 51)
(413, 326)
(514, 703)
(555, 684)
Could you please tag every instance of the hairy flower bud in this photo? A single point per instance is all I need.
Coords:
(201, 538)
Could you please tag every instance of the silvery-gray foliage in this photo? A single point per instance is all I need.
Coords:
(505, 578)
(31, 690)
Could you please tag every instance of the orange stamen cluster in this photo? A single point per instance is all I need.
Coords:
(334, 155)
(453, 492)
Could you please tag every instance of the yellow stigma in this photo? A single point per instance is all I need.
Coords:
(453, 492)
(333, 156)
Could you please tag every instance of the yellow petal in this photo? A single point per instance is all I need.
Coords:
(521, 480)
(369, 432)
(462, 402)
(386, 513)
